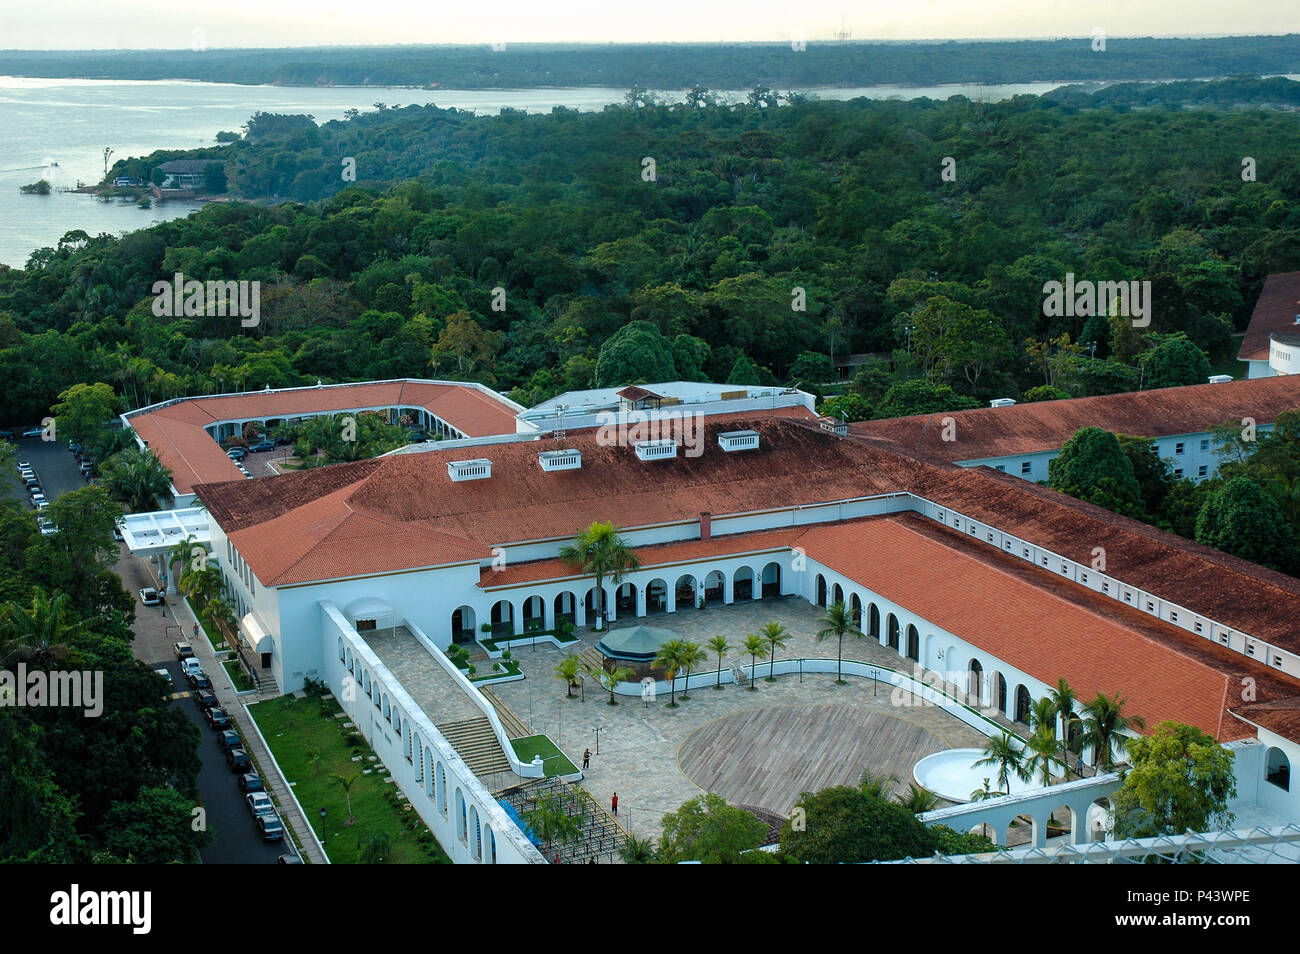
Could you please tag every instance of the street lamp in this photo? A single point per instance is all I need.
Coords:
(322, 827)
(598, 740)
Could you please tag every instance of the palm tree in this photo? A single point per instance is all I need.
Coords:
(347, 782)
(1002, 751)
(756, 646)
(1104, 724)
(39, 634)
(839, 623)
(1042, 752)
(691, 657)
(776, 635)
(136, 478)
(1063, 699)
(638, 851)
(669, 660)
(609, 679)
(720, 647)
(600, 552)
(878, 784)
(917, 799)
(568, 670)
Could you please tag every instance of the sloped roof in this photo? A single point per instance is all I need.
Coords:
(1046, 425)
(1275, 311)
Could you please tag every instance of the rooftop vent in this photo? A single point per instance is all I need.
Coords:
(732, 441)
(1002, 402)
(656, 450)
(469, 469)
(1220, 378)
(560, 459)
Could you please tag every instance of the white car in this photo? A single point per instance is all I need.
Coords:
(151, 597)
(48, 529)
(24, 465)
(259, 803)
(190, 666)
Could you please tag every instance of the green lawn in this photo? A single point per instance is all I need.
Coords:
(237, 675)
(542, 745)
(508, 668)
(292, 727)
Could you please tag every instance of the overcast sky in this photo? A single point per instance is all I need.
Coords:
(150, 24)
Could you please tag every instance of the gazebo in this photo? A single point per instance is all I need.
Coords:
(634, 646)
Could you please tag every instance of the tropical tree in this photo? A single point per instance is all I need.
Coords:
(917, 799)
(600, 552)
(568, 670)
(137, 479)
(756, 646)
(719, 646)
(552, 822)
(1181, 780)
(1003, 752)
(775, 635)
(1104, 726)
(692, 656)
(39, 634)
(347, 782)
(839, 623)
(638, 851)
(1063, 699)
(669, 659)
(876, 783)
(609, 679)
(708, 830)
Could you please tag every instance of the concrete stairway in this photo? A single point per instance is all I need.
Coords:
(514, 726)
(476, 743)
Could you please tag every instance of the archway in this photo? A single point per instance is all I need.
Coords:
(913, 643)
(772, 581)
(893, 632)
(656, 596)
(742, 584)
(1000, 692)
(975, 683)
(566, 607)
(625, 599)
(684, 591)
(462, 818)
(464, 624)
(534, 613)
(714, 587)
(1023, 705)
(503, 617)
(442, 789)
(837, 594)
(873, 622)
(821, 590)
(1278, 769)
(855, 609)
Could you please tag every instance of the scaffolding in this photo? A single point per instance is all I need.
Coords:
(598, 838)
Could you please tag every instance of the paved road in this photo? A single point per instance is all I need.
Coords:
(55, 466)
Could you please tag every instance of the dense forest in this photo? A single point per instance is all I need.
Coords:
(681, 65)
(611, 274)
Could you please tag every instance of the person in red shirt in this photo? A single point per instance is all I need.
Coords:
(613, 803)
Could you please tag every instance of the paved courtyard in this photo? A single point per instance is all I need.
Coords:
(758, 748)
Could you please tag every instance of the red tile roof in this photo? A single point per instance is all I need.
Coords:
(1279, 715)
(1046, 425)
(175, 431)
(1275, 311)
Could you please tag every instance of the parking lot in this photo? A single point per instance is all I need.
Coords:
(55, 466)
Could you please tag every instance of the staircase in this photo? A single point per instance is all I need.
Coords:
(738, 673)
(590, 657)
(476, 743)
(514, 726)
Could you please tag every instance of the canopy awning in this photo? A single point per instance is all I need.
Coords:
(256, 635)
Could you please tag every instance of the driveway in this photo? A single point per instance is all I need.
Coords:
(55, 466)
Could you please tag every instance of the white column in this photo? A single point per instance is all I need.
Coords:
(640, 601)
(728, 588)
(548, 612)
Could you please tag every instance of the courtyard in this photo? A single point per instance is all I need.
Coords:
(759, 748)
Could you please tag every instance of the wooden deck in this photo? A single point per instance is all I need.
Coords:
(767, 757)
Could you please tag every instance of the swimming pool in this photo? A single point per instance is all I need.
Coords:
(953, 774)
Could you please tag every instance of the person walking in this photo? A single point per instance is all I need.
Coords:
(613, 804)
(586, 758)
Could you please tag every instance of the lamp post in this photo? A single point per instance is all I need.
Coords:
(322, 827)
(597, 739)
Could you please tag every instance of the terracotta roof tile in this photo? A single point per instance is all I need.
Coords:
(1275, 311)
(1046, 425)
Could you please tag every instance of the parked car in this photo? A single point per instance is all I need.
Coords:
(189, 662)
(86, 467)
(251, 782)
(199, 682)
(259, 803)
(24, 465)
(31, 483)
(270, 827)
(166, 675)
(261, 447)
(38, 498)
(206, 700)
(230, 739)
(239, 761)
(26, 473)
(287, 859)
(42, 505)
(48, 529)
(74, 447)
(236, 453)
(218, 718)
(117, 533)
(34, 432)
(151, 597)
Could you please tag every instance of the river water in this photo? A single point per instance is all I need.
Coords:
(58, 129)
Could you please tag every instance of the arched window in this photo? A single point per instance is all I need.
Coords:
(1279, 769)
(1023, 702)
